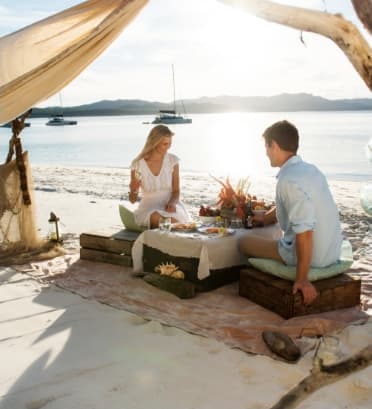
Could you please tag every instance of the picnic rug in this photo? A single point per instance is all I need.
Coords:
(220, 314)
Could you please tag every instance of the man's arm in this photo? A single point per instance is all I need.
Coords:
(304, 252)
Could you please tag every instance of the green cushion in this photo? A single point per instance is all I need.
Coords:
(127, 217)
(281, 270)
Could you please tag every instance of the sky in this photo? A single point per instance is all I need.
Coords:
(215, 50)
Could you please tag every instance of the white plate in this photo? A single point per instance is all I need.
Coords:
(207, 219)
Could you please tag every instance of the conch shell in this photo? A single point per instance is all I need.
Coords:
(170, 269)
(178, 274)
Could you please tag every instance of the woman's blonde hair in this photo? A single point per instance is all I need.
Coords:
(154, 138)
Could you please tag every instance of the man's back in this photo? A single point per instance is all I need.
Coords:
(304, 202)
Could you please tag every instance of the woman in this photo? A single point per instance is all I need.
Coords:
(156, 172)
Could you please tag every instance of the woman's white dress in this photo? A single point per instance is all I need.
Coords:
(156, 192)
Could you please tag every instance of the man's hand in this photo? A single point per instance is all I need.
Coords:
(308, 291)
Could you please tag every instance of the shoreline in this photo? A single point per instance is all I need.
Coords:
(96, 193)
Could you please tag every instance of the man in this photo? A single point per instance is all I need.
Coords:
(305, 210)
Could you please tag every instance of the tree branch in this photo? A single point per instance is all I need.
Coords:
(363, 8)
(322, 375)
(332, 26)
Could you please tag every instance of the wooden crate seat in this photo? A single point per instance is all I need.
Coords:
(108, 246)
(275, 293)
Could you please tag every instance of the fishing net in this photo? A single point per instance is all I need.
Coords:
(19, 238)
(17, 219)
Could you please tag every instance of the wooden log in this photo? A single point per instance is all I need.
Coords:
(333, 26)
(322, 375)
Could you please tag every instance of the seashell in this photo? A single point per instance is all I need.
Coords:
(178, 274)
(166, 269)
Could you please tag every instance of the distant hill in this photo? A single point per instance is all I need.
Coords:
(224, 103)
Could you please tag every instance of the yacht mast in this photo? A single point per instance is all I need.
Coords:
(174, 90)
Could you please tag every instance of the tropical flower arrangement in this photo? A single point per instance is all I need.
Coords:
(234, 198)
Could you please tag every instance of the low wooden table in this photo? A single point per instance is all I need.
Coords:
(108, 246)
(275, 294)
(207, 261)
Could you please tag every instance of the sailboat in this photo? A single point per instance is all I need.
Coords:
(59, 120)
(170, 116)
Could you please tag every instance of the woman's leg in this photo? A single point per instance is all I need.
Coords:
(260, 247)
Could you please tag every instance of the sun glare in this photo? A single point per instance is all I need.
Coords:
(235, 148)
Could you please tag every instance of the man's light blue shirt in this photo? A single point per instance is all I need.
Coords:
(304, 202)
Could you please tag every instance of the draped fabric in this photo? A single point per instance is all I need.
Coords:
(41, 59)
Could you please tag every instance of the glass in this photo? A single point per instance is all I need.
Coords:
(369, 150)
(137, 175)
(165, 223)
(236, 224)
(366, 199)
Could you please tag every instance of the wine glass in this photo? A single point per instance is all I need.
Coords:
(137, 175)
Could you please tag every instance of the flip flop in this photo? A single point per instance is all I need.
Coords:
(282, 345)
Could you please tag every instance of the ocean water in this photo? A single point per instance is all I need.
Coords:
(228, 144)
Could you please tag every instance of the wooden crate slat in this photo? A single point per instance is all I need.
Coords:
(105, 257)
(113, 241)
(105, 244)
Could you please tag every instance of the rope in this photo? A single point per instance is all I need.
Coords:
(15, 145)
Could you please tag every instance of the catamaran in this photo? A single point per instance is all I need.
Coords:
(59, 120)
(170, 116)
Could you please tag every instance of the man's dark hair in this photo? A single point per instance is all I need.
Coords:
(284, 134)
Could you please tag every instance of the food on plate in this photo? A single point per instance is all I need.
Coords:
(184, 226)
(261, 205)
(212, 230)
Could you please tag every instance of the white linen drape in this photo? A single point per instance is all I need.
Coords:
(39, 60)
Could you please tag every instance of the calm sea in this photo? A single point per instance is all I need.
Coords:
(221, 144)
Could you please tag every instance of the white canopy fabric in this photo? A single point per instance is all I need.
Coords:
(41, 59)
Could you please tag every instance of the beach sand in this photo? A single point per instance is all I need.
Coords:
(62, 351)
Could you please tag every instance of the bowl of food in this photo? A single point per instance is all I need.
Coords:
(258, 212)
(207, 214)
(207, 219)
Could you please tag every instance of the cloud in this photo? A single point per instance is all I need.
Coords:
(216, 49)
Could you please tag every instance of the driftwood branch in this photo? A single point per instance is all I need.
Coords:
(322, 375)
(333, 26)
(363, 8)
